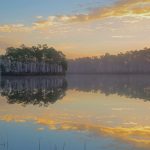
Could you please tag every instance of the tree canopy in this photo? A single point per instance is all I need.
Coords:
(36, 53)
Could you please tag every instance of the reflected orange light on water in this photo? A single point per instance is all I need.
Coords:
(112, 116)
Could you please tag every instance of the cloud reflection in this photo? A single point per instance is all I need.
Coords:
(139, 135)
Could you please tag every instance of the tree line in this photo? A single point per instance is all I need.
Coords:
(35, 59)
(137, 61)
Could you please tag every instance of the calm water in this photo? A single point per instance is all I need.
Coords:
(76, 112)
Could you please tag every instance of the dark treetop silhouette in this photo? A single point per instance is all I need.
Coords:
(33, 60)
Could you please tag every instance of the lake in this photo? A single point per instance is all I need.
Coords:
(75, 112)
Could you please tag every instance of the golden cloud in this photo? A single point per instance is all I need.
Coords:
(14, 28)
(133, 8)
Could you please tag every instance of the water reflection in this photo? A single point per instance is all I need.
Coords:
(33, 90)
(88, 110)
(132, 86)
(45, 90)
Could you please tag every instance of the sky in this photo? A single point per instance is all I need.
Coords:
(78, 28)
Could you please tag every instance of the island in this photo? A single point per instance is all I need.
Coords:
(35, 60)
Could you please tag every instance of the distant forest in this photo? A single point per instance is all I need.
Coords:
(129, 62)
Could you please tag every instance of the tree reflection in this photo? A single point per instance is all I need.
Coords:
(33, 90)
(133, 86)
(42, 91)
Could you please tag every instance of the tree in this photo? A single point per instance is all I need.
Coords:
(129, 62)
(40, 58)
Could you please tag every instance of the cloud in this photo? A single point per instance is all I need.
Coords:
(122, 109)
(14, 28)
(121, 8)
(122, 36)
(42, 25)
(39, 17)
(134, 8)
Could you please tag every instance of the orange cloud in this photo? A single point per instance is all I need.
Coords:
(14, 28)
(121, 8)
(135, 8)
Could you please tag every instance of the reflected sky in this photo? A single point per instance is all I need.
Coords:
(95, 108)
